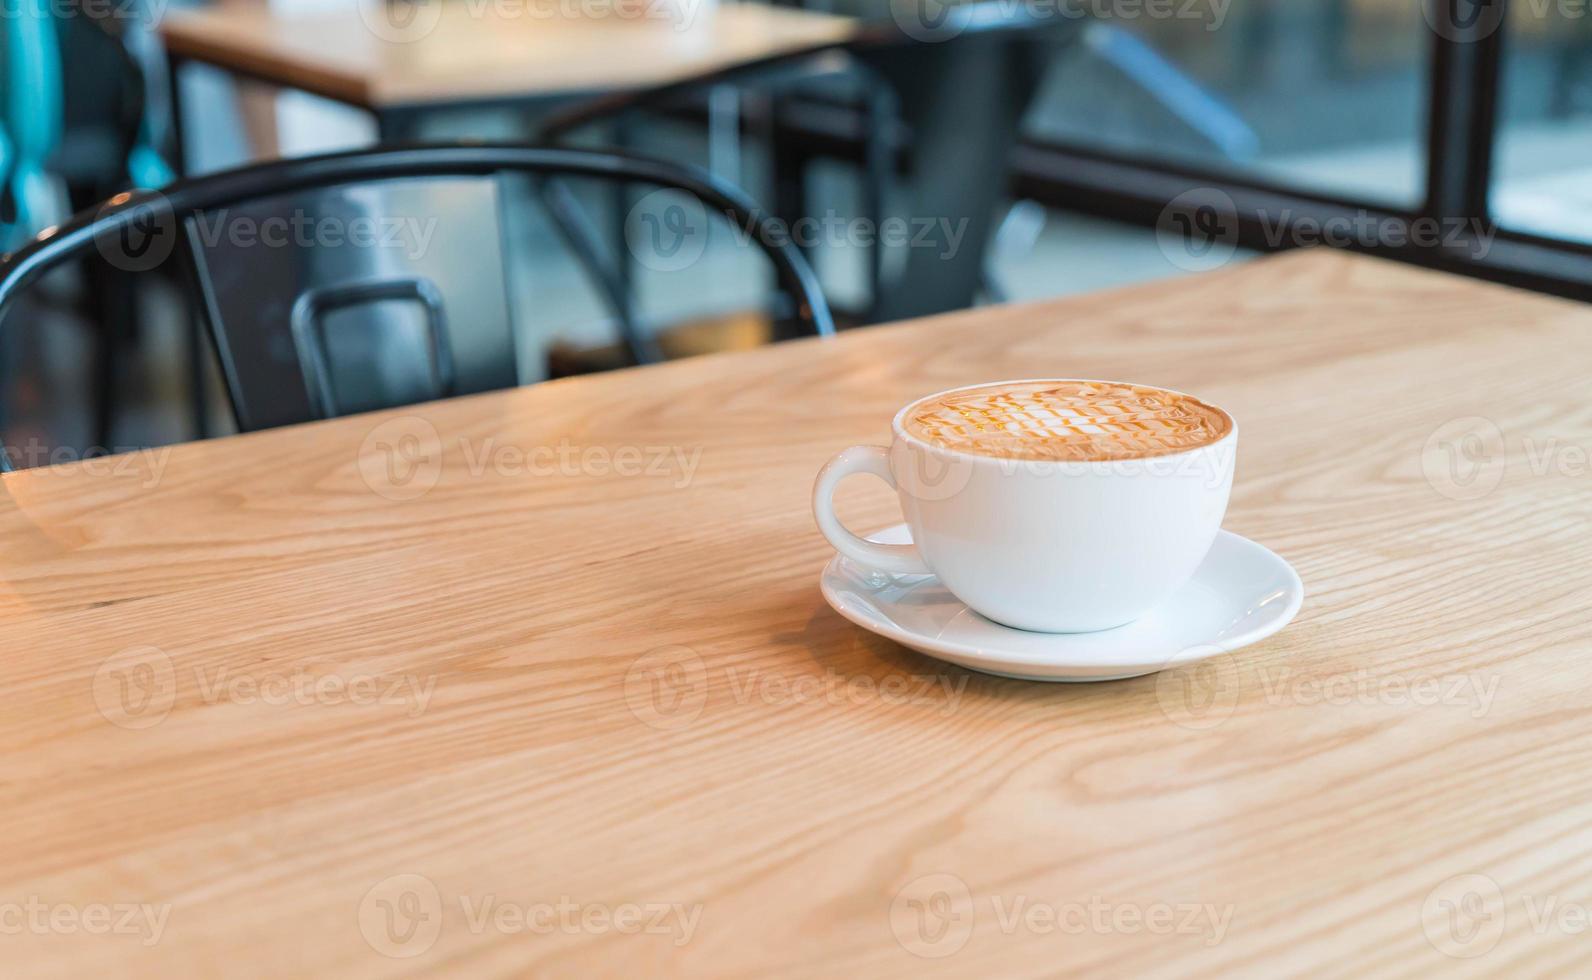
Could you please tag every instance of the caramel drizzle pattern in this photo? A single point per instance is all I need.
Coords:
(1030, 423)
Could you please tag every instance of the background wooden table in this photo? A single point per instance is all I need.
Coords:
(487, 52)
(550, 688)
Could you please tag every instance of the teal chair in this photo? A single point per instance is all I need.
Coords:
(31, 114)
(71, 140)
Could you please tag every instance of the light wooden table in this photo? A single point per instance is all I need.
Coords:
(395, 61)
(551, 689)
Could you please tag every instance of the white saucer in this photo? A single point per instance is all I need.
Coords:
(1241, 594)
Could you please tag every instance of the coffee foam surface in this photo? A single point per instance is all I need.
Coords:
(1066, 421)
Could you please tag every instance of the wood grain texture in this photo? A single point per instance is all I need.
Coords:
(293, 712)
(489, 49)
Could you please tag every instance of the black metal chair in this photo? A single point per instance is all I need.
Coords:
(309, 327)
(937, 106)
(105, 102)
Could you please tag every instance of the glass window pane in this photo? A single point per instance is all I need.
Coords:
(1325, 95)
(1542, 172)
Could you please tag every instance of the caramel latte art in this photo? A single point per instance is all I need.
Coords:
(1066, 421)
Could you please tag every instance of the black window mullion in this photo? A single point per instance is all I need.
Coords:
(1468, 49)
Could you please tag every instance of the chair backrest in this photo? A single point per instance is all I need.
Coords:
(960, 80)
(418, 309)
(414, 307)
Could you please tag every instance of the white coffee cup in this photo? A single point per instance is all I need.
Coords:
(1052, 547)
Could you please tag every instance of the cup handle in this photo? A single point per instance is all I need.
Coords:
(897, 559)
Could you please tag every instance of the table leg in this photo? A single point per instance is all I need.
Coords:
(788, 161)
(179, 146)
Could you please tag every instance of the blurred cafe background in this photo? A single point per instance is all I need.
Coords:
(921, 158)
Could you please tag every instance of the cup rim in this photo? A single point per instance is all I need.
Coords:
(899, 431)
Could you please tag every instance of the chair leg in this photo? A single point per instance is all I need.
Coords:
(611, 285)
(199, 403)
(113, 305)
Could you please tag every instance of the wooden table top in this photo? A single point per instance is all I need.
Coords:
(469, 50)
(550, 687)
